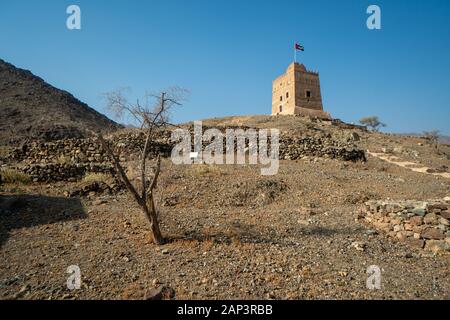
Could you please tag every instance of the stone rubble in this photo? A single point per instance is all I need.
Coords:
(52, 172)
(421, 224)
(87, 150)
(71, 159)
(292, 148)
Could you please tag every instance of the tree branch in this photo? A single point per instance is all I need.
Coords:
(119, 169)
(156, 175)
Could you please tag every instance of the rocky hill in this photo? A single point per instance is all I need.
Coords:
(30, 107)
(311, 231)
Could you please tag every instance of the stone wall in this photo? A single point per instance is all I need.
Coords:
(283, 93)
(313, 113)
(421, 224)
(307, 81)
(87, 150)
(70, 159)
(296, 90)
(51, 172)
(292, 148)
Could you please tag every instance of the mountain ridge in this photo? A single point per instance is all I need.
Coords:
(31, 107)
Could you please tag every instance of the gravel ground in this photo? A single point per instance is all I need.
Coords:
(232, 234)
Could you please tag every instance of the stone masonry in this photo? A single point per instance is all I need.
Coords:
(71, 159)
(420, 224)
(298, 92)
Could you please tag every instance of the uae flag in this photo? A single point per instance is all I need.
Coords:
(299, 47)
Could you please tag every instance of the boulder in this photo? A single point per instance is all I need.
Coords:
(437, 246)
(433, 234)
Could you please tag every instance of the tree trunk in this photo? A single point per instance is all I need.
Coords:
(151, 216)
(150, 213)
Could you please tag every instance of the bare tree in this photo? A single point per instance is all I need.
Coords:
(432, 137)
(151, 119)
(372, 122)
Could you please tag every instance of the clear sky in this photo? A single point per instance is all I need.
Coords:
(227, 52)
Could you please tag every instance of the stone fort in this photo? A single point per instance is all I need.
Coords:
(298, 92)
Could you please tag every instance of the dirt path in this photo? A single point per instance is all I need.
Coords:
(416, 167)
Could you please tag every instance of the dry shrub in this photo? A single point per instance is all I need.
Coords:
(206, 170)
(4, 151)
(14, 176)
(208, 244)
(96, 177)
(256, 193)
(63, 159)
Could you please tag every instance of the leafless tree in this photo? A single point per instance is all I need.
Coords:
(151, 118)
(432, 137)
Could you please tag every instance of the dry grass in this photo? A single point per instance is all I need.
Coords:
(96, 177)
(4, 151)
(206, 170)
(14, 176)
(63, 159)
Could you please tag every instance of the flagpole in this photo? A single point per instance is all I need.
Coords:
(295, 54)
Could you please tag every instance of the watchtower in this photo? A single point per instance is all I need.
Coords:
(298, 92)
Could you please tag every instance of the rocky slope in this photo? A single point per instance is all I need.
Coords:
(311, 231)
(30, 107)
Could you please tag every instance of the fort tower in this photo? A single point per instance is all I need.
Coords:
(298, 92)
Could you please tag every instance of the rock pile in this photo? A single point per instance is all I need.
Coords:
(292, 148)
(51, 172)
(95, 188)
(127, 143)
(86, 150)
(255, 193)
(421, 224)
(60, 151)
(70, 159)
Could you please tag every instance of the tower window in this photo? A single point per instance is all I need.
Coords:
(308, 93)
(281, 98)
(281, 108)
(287, 95)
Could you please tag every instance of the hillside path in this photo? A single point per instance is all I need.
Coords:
(417, 167)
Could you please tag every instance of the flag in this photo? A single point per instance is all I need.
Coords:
(299, 47)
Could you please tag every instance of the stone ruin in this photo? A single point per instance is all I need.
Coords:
(420, 224)
(294, 146)
(71, 159)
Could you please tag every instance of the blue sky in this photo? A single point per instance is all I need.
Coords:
(227, 52)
